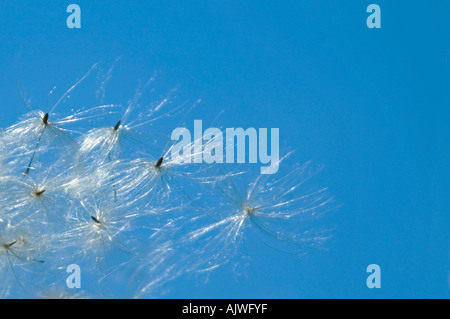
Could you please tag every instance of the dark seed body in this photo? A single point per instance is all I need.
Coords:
(95, 220)
(159, 162)
(6, 246)
(45, 119)
(116, 127)
(39, 193)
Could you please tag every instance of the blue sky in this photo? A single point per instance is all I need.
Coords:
(371, 105)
